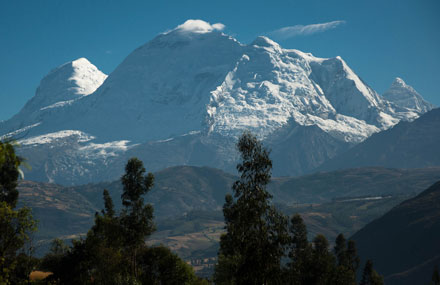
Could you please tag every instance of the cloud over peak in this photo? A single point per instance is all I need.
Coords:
(199, 26)
(301, 30)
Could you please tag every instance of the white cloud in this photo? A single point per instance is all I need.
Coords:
(200, 26)
(300, 30)
(218, 26)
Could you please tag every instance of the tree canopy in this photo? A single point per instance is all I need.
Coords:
(114, 250)
(16, 226)
(251, 249)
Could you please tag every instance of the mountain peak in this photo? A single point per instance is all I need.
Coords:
(188, 34)
(86, 76)
(71, 67)
(399, 82)
(69, 81)
(403, 95)
(81, 62)
(263, 41)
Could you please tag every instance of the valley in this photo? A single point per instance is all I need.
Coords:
(187, 205)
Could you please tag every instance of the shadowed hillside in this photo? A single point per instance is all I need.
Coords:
(406, 145)
(404, 243)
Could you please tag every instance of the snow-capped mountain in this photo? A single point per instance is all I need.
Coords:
(405, 96)
(196, 85)
(58, 90)
(64, 85)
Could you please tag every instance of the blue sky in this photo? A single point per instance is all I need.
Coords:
(380, 40)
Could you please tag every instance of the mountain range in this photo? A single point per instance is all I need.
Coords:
(184, 97)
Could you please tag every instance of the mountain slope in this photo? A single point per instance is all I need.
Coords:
(404, 243)
(407, 145)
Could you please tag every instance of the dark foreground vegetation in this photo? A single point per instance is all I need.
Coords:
(114, 250)
(261, 245)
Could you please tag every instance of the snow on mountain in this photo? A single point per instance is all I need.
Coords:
(269, 85)
(62, 87)
(405, 96)
(71, 157)
(66, 83)
(52, 137)
(194, 78)
(162, 88)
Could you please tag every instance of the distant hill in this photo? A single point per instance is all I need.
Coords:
(177, 190)
(182, 191)
(406, 145)
(404, 244)
(367, 181)
(60, 212)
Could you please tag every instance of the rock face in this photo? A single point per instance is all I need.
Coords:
(403, 244)
(197, 81)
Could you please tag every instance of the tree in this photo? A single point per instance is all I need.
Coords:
(53, 260)
(105, 244)
(15, 225)
(341, 250)
(300, 253)
(323, 265)
(15, 229)
(158, 265)
(256, 233)
(314, 263)
(108, 205)
(136, 217)
(435, 276)
(114, 251)
(347, 261)
(352, 257)
(99, 257)
(9, 174)
(370, 276)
